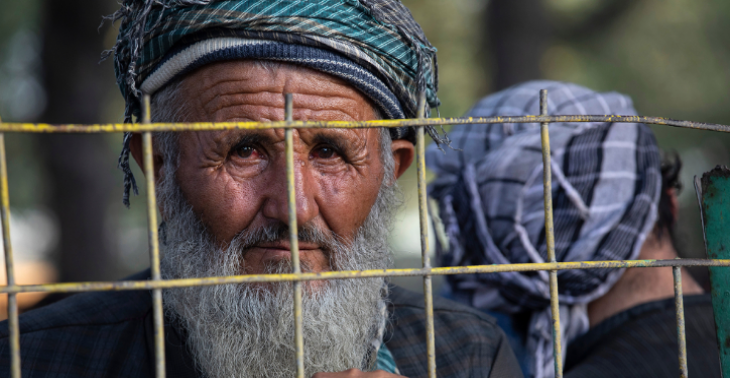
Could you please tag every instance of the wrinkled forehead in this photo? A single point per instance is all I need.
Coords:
(246, 90)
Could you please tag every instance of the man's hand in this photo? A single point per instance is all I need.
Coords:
(356, 373)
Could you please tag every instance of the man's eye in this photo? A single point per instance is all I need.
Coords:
(245, 151)
(325, 153)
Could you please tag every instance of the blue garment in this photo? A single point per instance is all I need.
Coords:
(515, 335)
(385, 361)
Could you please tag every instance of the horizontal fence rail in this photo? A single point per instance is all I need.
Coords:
(157, 284)
(354, 274)
(207, 126)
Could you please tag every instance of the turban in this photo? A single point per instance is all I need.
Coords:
(374, 45)
(606, 187)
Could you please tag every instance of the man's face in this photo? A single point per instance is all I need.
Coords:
(236, 179)
(225, 205)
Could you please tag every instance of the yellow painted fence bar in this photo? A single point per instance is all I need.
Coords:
(293, 235)
(349, 274)
(681, 334)
(14, 332)
(550, 235)
(425, 257)
(154, 245)
(202, 126)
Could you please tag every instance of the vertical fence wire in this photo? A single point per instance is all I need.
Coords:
(14, 330)
(681, 335)
(550, 235)
(14, 334)
(157, 313)
(423, 216)
(293, 234)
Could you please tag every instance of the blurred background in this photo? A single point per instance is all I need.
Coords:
(68, 221)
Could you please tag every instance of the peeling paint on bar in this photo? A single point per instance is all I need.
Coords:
(715, 208)
(293, 235)
(203, 126)
(350, 274)
(550, 236)
(14, 331)
(154, 244)
(681, 329)
(425, 257)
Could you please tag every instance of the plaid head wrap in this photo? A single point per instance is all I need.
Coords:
(606, 189)
(383, 50)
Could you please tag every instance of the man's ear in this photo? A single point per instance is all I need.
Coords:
(675, 203)
(403, 153)
(135, 147)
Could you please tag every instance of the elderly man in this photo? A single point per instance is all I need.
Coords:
(613, 199)
(223, 199)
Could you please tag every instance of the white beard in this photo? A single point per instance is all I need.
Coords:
(247, 330)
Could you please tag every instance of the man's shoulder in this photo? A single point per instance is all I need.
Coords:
(468, 342)
(85, 310)
(642, 342)
(407, 301)
(453, 322)
(92, 334)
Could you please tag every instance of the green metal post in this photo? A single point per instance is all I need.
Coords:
(715, 200)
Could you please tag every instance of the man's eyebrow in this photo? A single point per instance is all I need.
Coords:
(336, 140)
(250, 137)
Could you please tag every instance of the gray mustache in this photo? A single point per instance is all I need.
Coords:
(279, 232)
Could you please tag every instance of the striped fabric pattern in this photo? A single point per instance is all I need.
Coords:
(379, 35)
(606, 188)
(179, 63)
(385, 361)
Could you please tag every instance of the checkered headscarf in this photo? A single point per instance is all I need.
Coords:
(606, 188)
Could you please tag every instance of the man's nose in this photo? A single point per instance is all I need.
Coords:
(276, 205)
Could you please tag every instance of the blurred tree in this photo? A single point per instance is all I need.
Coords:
(79, 178)
(453, 27)
(519, 33)
(596, 17)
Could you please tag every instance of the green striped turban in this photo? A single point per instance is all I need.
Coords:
(380, 36)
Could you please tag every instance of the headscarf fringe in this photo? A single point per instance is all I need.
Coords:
(129, 181)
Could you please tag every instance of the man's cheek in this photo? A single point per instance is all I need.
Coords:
(226, 206)
(345, 204)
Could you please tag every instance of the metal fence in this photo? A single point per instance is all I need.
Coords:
(156, 284)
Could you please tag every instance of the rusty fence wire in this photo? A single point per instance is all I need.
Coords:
(156, 284)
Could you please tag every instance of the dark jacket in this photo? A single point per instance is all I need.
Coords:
(642, 342)
(109, 334)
